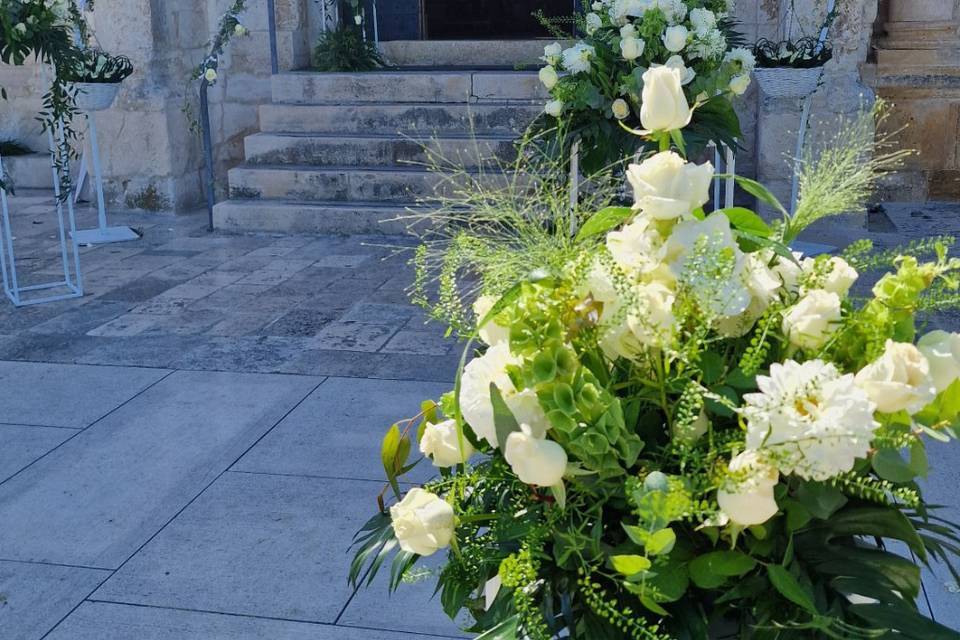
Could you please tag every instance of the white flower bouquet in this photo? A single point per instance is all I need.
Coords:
(597, 83)
(677, 427)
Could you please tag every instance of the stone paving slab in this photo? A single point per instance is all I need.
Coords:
(110, 488)
(66, 396)
(34, 597)
(336, 432)
(109, 621)
(942, 590)
(252, 544)
(20, 445)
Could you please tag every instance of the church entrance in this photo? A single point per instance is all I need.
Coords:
(489, 19)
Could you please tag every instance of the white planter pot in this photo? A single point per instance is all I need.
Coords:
(787, 82)
(96, 96)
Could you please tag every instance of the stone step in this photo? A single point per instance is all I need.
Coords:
(463, 53)
(414, 118)
(435, 86)
(350, 184)
(338, 150)
(296, 216)
(29, 171)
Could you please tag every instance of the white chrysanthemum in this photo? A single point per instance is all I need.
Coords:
(674, 10)
(475, 402)
(742, 57)
(814, 421)
(708, 46)
(577, 58)
(703, 20)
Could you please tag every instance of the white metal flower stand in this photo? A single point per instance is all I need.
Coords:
(71, 286)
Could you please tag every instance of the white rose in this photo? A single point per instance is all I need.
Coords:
(535, 460)
(554, 108)
(810, 322)
(597, 6)
(548, 76)
(739, 84)
(675, 38)
(441, 443)
(665, 186)
(20, 28)
(631, 48)
(836, 276)
(687, 74)
(422, 522)
(628, 31)
(635, 247)
(552, 53)
(898, 380)
(942, 351)
(358, 19)
(652, 321)
(664, 103)
(475, 403)
(210, 75)
(491, 333)
(789, 271)
(240, 30)
(749, 501)
(593, 23)
(620, 109)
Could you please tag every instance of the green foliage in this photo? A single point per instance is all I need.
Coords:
(98, 66)
(346, 50)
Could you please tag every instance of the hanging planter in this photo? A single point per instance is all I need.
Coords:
(96, 79)
(791, 68)
(95, 96)
(788, 82)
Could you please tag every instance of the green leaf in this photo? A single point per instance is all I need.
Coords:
(880, 522)
(661, 542)
(821, 500)
(712, 569)
(890, 466)
(918, 459)
(677, 136)
(603, 221)
(758, 191)
(790, 588)
(797, 514)
(637, 535)
(389, 449)
(907, 622)
(503, 419)
(747, 221)
(506, 630)
(629, 565)
(651, 604)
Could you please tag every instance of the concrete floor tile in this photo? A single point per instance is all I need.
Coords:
(106, 491)
(302, 323)
(337, 431)
(39, 347)
(129, 324)
(58, 395)
(35, 596)
(395, 315)
(82, 319)
(941, 488)
(404, 366)
(425, 343)
(272, 546)
(140, 351)
(109, 621)
(324, 362)
(352, 336)
(264, 354)
(141, 289)
(20, 445)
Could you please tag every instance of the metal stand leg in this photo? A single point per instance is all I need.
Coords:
(102, 234)
(795, 184)
(574, 186)
(731, 170)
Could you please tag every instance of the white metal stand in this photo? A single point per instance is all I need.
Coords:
(102, 234)
(729, 162)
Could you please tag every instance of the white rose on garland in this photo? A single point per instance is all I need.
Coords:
(631, 48)
(554, 108)
(813, 319)
(666, 186)
(739, 84)
(636, 247)
(942, 351)
(593, 22)
(552, 54)
(898, 380)
(441, 443)
(834, 275)
(535, 460)
(814, 421)
(491, 333)
(422, 522)
(475, 402)
(548, 77)
(675, 38)
(620, 109)
(651, 322)
(664, 106)
(577, 58)
(687, 74)
(747, 497)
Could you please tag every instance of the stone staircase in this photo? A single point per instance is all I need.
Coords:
(344, 153)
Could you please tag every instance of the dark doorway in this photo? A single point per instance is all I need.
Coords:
(489, 19)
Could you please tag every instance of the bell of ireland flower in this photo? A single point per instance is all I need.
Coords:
(675, 38)
(422, 522)
(664, 103)
(898, 380)
(536, 461)
(548, 76)
(747, 495)
(442, 444)
(942, 351)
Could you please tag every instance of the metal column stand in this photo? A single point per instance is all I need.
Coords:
(797, 159)
(72, 280)
(729, 162)
(102, 234)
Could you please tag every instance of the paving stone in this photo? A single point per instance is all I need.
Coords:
(299, 323)
(384, 314)
(217, 278)
(140, 351)
(109, 621)
(352, 336)
(84, 318)
(941, 588)
(264, 354)
(427, 343)
(344, 261)
(38, 347)
(58, 395)
(33, 597)
(140, 290)
(129, 324)
(323, 362)
(272, 546)
(243, 324)
(189, 322)
(336, 432)
(20, 445)
(110, 488)
(403, 366)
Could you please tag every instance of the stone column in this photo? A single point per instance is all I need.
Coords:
(918, 70)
